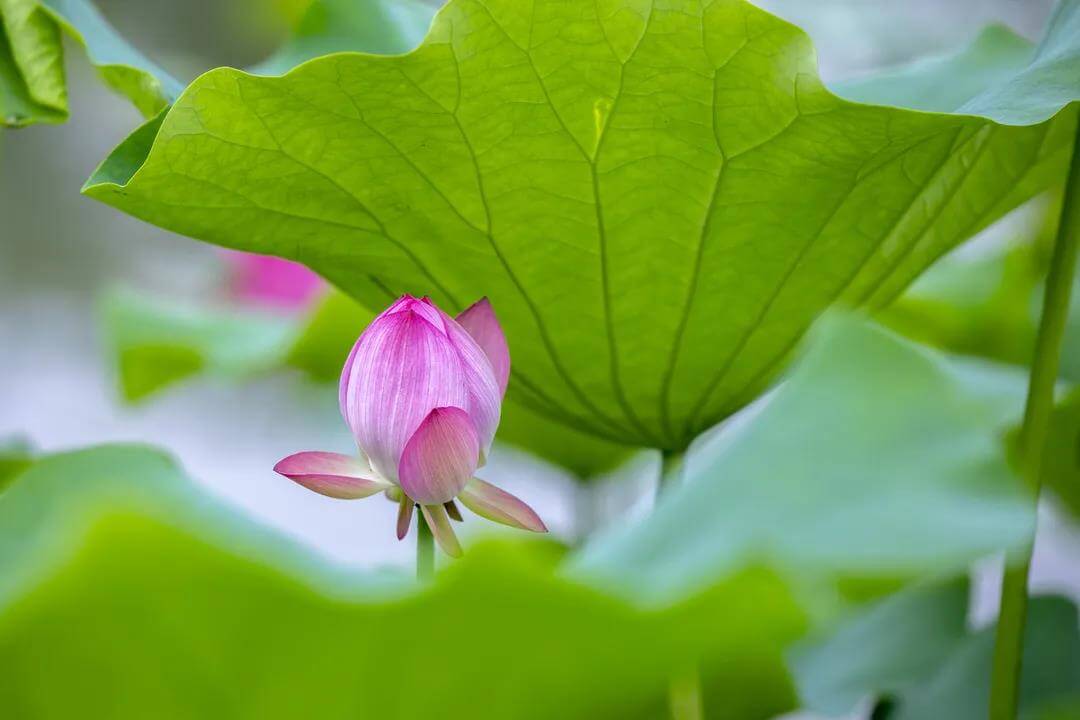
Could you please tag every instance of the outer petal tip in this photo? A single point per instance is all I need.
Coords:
(331, 474)
(439, 523)
(480, 321)
(404, 518)
(490, 502)
(440, 457)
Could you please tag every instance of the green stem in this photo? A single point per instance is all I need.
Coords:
(671, 470)
(425, 548)
(684, 687)
(684, 694)
(1008, 648)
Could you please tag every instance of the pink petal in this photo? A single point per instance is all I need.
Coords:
(490, 502)
(423, 307)
(403, 303)
(480, 322)
(267, 280)
(440, 457)
(404, 517)
(401, 368)
(485, 397)
(441, 529)
(332, 474)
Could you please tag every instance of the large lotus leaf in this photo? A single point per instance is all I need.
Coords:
(658, 197)
(876, 460)
(914, 652)
(155, 344)
(132, 590)
(32, 83)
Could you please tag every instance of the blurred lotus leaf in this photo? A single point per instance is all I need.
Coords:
(876, 461)
(885, 650)
(385, 27)
(1061, 462)
(15, 456)
(186, 607)
(33, 87)
(915, 653)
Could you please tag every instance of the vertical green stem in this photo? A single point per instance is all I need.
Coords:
(671, 467)
(684, 694)
(684, 687)
(1008, 648)
(425, 548)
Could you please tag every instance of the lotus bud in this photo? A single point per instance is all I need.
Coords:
(422, 394)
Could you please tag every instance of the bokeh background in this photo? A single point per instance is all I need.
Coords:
(61, 254)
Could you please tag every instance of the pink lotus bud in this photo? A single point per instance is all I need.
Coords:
(421, 393)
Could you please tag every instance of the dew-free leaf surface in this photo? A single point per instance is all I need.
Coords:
(658, 198)
(134, 589)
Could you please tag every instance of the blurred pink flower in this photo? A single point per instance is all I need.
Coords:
(270, 281)
(422, 393)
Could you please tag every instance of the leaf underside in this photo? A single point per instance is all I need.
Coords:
(658, 200)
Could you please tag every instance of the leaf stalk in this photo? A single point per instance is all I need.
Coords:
(1009, 641)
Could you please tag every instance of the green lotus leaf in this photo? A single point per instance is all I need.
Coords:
(15, 456)
(877, 461)
(886, 649)
(658, 198)
(1049, 688)
(136, 590)
(155, 343)
(33, 87)
(914, 653)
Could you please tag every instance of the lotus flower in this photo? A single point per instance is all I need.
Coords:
(421, 393)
